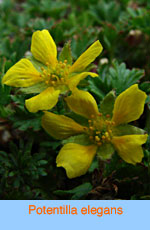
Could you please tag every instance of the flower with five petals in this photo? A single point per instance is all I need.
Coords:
(102, 134)
(43, 73)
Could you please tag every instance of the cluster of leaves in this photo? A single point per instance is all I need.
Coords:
(27, 154)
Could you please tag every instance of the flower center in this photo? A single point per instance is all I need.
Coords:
(56, 77)
(100, 129)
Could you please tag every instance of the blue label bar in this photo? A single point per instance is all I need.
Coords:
(118, 215)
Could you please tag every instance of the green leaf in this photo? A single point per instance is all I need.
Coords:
(105, 151)
(116, 77)
(105, 11)
(27, 123)
(38, 65)
(122, 130)
(122, 78)
(42, 162)
(80, 43)
(145, 86)
(107, 104)
(4, 94)
(94, 165)
(77, 192)
(66, 54)
(81, 139)
(148, 101)
(37, 88)
(11, 174)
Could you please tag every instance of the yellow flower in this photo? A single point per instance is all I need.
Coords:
(102, 134)
(50, 75)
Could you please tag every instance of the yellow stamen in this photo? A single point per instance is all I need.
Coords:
(110, 131)
(91, 128)
(103, 137)
(44, 72)
(98, 132)
(99, 143)
(106, 134)
(108, 122)
(66, 72)
(63, 65)
(97, 138)
(53, 82)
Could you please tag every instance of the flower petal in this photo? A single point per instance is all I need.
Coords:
(87, 57)
(43, 101)
(22, 74)
(74, 81)
(129, 147)
(43, 47)
(76, 159)
(82, 103)
(60, 126)
(129, 105)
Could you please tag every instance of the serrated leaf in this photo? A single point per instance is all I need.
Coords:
(66, 54)
(107, 104)
(122, 78)
(105, 11)
(117, 77)
(78, 192)
(145, 86)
